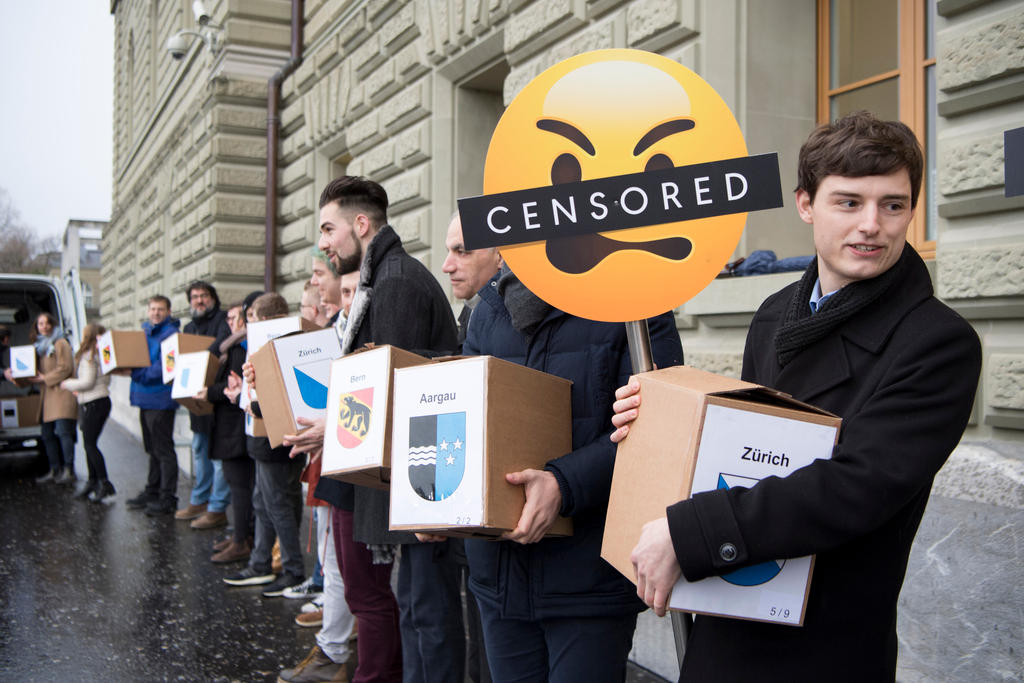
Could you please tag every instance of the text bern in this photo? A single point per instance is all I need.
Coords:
(620, 202)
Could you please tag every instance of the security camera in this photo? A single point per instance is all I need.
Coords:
(177, 45)
(202, 15)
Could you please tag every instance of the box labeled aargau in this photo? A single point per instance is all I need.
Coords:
(291, 375)
(123, 349)
(23, 361)
(357, 436)
(458, 427)
(258, 333)
(177, 344)
(21, 411)
(696, 432)
(194, 371)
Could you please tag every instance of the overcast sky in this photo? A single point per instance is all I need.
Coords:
(56, 85)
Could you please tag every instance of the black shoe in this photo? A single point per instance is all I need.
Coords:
(249, 577)
(281, 584)
(48, 477)
(142, 500)
(87, 490)
(164, 506)
(104, 489)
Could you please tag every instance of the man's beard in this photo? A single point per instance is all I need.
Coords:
(350, 263)
(198, 312)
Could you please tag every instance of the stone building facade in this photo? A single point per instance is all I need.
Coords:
(408, 93)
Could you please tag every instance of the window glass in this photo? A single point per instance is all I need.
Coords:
(864, 39)
(881, 99)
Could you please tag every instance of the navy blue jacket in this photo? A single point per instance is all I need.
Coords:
(148, 390)
(564, 577)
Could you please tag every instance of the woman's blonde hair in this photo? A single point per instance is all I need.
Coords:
(89, 335)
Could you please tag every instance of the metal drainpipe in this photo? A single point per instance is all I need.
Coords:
(273, 131)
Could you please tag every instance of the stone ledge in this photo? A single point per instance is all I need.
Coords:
(976, 472)
(737, 294)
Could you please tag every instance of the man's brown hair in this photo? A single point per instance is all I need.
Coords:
(361, 194)
(859, 145)
(269, 305)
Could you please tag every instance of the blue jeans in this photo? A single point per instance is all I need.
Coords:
(211, 487)
(563, 650)
(59, 442)
(430, 608)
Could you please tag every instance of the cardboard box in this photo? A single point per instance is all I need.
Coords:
(357, 436)
(21, 411)
(292, 374)
(194, 371)
(257, 334)
(698, 432)
(458, 427)
(178, 344)
(23, 361)
(123, 349)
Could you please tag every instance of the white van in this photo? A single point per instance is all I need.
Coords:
(22, 298)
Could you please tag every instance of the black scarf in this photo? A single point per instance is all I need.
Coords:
(525, 308)
(800, 328)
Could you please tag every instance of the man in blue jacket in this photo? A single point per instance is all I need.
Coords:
(552, 609)
(156, 415)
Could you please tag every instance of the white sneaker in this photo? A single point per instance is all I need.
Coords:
(304, 590)
(314, 605)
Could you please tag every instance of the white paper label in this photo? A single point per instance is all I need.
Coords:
(357, 411)
(739, 448)
(305, 364)
(190, 374)
(10, 414)
(168, 356)
(23, 361)
(437, 444)
(108, 359)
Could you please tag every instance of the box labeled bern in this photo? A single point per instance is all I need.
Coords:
(357, 438)
(123, 349)
(178, 344)
(458, 427)
(23, 361)
(700, 432)
(194, 371)
(292, 374)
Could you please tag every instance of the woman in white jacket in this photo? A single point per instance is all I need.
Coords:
(93, 393)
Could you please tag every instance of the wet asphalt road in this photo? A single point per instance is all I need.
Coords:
(99, 592)
(102, 593)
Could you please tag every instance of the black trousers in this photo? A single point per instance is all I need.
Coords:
(158, 440)
(240, 474)
(91, 418)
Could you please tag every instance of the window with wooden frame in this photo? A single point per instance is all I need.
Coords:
(879, 55)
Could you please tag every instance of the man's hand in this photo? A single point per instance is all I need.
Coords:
(626, 407)
(201, 394)
(8, 375)
(307, 441)
(543, 501)
(234, 387)
(249, 373)
(655, 565)
(431, 538)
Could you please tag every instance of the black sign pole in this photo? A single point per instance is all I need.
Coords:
(639, 338)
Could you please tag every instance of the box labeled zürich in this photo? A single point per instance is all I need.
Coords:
(357, 438)
(458, 427)
(123, 349)
(178, 344)
(258, 333)
(194, 371)
(21, 411)
(697, 432)
(23, 361)
(291, 377)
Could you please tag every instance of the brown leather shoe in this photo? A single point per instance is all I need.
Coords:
(235, 552)
(310, 618)
(221, 544)
(315, 668)
(210, 520)
(190, 511)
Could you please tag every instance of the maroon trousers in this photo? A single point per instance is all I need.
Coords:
(369, 596)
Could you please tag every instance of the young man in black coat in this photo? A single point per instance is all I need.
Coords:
(398, 302)
(860, 335)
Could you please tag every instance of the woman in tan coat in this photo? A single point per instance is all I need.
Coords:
(60, 408)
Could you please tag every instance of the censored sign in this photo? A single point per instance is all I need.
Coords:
(621, 202)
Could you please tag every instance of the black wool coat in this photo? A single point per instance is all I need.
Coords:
(228, 436)
(213, 323)
(902, 374)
